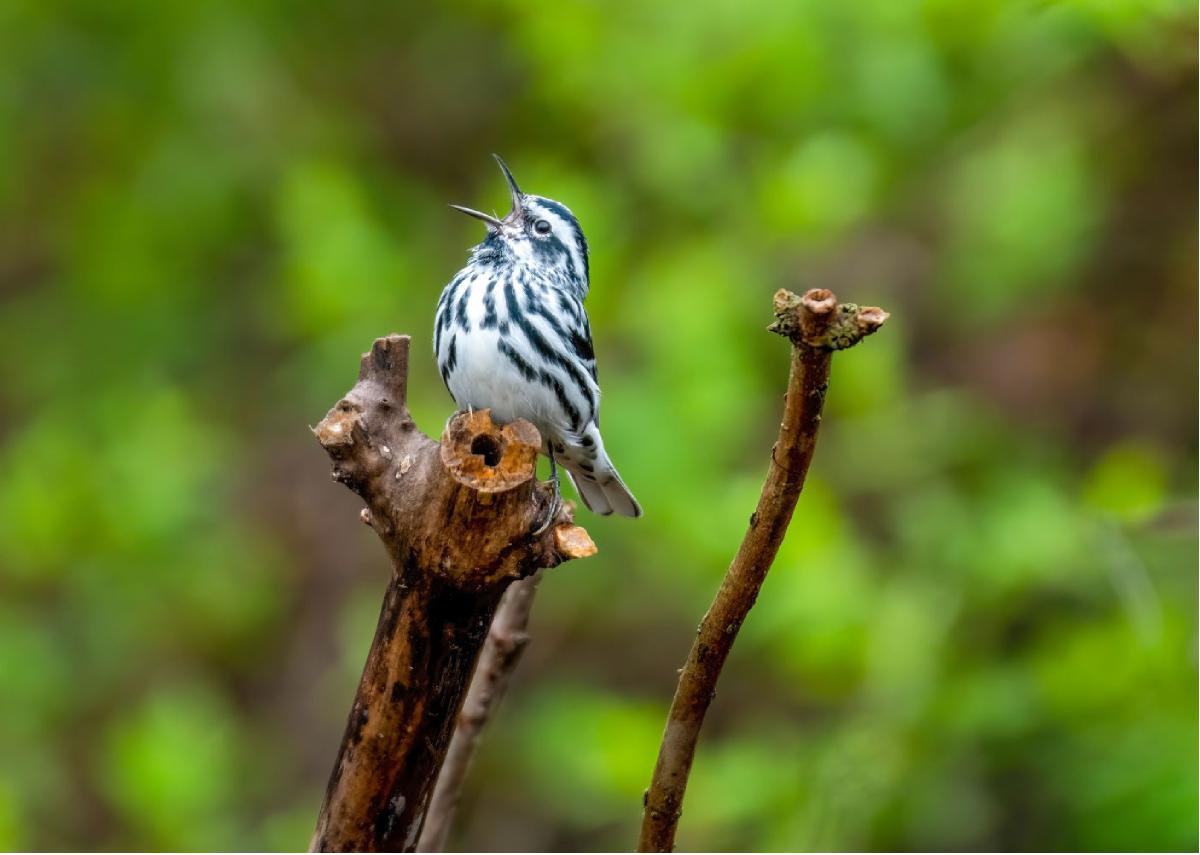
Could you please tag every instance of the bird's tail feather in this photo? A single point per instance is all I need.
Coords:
(604, 492)
(593, 497)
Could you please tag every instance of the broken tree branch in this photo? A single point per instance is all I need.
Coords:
(457, 519)
(816, 326)
(505, 643)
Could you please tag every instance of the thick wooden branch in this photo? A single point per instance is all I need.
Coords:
(460, 520)
(505, 643)
(816, 326)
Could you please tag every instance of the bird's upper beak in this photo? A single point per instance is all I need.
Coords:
(514, 216)
(517, 196)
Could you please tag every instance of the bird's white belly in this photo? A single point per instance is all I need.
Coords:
(485, 378)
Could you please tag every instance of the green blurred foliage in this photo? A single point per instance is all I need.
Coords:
(981, 632)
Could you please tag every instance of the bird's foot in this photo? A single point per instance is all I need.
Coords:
(556, 502)
(556, 506)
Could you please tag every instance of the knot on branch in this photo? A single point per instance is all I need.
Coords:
(817, 320)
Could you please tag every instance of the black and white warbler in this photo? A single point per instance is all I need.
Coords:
(511, 334)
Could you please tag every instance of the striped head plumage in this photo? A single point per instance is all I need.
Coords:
(512, 335)
(538, 232)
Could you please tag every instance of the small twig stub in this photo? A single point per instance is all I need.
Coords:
(818, 320)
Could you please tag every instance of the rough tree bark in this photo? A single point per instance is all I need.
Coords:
(505, 643)
(458, 520)
(816, 326)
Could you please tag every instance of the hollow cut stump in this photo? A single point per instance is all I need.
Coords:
(460, 519)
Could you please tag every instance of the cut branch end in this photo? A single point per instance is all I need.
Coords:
(817, 320)
(487, 457)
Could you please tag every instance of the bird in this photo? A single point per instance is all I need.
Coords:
(511, 335)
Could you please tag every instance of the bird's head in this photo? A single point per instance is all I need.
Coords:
(539, 232)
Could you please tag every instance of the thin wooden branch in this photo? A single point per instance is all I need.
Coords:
(816, 326)
(458, 519)
(505, 643)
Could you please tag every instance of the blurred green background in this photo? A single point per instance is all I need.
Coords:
(982, 629)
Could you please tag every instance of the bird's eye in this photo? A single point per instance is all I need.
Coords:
(542, 227)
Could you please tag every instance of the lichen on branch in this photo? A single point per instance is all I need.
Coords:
(818, 320)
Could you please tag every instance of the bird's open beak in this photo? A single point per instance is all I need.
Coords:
(480, 215)
(517, 198)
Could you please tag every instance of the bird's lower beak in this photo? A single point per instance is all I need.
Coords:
(492, 222)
